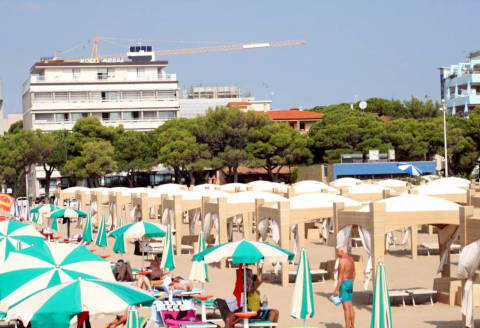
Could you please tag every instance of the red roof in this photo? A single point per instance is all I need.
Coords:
(385, 118)
(292, 114)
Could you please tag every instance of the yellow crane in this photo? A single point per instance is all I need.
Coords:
(95, 57)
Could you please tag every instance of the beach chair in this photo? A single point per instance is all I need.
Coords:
(393, 294)
(422, 292)
(320, 272)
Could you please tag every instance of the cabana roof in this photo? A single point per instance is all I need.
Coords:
(367, 188)
(415, 203)
(319, 200)
(451, 181)
(345, 182)
(75, 189)
(442, 189)
(311, 186)
(392, 183)
(251, 196)
(262, 185)
(233, 186)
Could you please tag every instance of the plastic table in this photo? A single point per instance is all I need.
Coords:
(203, 298)
(245, 316)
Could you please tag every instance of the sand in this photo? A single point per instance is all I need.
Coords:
(402, 272)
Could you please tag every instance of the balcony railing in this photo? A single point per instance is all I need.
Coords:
(97, 100)
(101, 78)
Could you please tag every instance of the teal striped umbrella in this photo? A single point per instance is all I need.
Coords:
(133, 321)
(381, 311)
(199, 271)
(87, 234)
(54, 225)
(137, 230)
(101, 240)
(57, 305)
(45, 265)
(68, 214)
(14, 235)
(168, 260)
(302, 299)
(44, 208)
(35, 218)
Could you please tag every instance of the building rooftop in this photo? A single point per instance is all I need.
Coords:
(293, 114)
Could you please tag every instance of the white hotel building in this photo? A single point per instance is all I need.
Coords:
(136, 93)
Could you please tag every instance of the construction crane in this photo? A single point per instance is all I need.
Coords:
(96, 58)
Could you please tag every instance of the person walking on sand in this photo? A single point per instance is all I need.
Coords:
(346, 275)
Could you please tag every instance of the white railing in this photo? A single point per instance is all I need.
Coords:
(96, 100)
(100, 79)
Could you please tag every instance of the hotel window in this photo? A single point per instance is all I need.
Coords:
(166, 94)
(109, 95)
(78, 96)
(76, 116)
(131, 115)
(43, 117)
(166, 114)
(130, 95)
(148, 94)
(76, 73)
(115, 116)
(105, 116)
(61, 117)
(42, 96)
(140, 72)
(61, 96)
(302, 126)
(105, 73)
(149, 115)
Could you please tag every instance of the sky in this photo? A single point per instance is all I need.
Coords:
(355, 49)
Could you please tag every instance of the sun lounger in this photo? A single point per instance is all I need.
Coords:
(421, 292)
(433, 247)
(320, 272)
(258, 323)
(393, 294)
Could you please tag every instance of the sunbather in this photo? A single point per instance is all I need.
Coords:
(157, 272)
(119, 321)
(123, 272)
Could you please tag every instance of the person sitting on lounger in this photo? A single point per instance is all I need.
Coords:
(123, 272)
(255, 304)
(157, 272)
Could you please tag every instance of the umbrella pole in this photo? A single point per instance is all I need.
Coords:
(245, 288)
(68, 228)
(304, 323)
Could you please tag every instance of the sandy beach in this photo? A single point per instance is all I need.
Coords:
(402, 271)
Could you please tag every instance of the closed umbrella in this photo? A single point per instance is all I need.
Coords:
(67, 214)
(119, 245)
(168, 260)
(43, 210)
(302, 299)
(14, 234)
(87, 234)
(199, 271)
(133, 320)
(410, 169)
(54, 225)
(101, 240)
(381, 311)
(46, 265)
(57, 305)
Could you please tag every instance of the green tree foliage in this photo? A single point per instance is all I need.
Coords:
(177, 147)
(133, 153)
(53, 153)
(275, 145)
(16, 127)
(95, 160)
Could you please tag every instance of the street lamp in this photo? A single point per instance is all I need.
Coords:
(444, 109)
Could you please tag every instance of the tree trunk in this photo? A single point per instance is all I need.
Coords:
(131, 179)
(235, 174)
(48, 176)
(177, 174)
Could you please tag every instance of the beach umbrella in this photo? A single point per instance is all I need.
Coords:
(101, 240)
(302, 299)
(199, 271)
(57, 305)
(410, 169)
(133, 321)
(67, 214)
(43, 210)
(168, 260)
(6, 201)
(137, 230)
(381, 311)
(87, 234)
(245, 252)
(14, 234)
(46, 265)
(54, 225)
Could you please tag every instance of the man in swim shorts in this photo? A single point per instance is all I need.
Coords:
(346, 275)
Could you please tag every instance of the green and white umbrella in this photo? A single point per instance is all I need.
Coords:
(168, 260)
(199, 271)
(101, 240)
(43, 210)
(245, 252)
(56, 306)
(48, 264)
(54, 225)
(137, 230)
(133, 320)
(302, 299)
(87, 234)
(381, 311)
(67, 213)
(14, 235)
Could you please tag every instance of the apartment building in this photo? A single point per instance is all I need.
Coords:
(460, 85)
(136, 93)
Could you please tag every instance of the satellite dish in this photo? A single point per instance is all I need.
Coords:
(363, 105)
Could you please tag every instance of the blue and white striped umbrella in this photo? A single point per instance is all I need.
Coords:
(410, 169)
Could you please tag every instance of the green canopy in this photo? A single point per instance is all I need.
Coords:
(168, 260)
(101, 240)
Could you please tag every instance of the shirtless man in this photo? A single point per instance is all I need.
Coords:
(346, 275)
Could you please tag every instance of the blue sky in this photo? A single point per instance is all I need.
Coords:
(358, 47)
